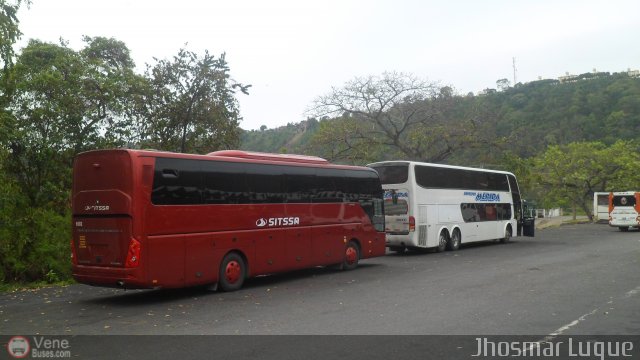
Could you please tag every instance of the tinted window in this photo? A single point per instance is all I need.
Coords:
(329, 186)
(300, 184)
(393, 174)
(176, 182)
(624, 200)
(182, 181)
(448, 178)
(397, 207)
(513, 184)
(224, 183)
(603, 200)
(265, 183)
(473, 212)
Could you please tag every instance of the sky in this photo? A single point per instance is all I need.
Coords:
(292, 51)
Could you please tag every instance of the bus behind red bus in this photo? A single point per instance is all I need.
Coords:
(151, 219)
(624, 210)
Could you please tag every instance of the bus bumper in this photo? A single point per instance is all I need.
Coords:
(109, 277)
(623, 223)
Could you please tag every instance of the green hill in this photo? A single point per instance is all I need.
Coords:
(527, 117)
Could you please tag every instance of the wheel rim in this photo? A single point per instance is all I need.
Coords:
(352, 255)
(232, 271)
(443, 241)
(456, 239)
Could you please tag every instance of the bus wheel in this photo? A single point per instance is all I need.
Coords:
(624, 228)
(507, 236)
(397, 249)
(232, 272)
(454, 243)
(442, 242)
(351, 256)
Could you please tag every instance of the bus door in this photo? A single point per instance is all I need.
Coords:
(526, 222)
(396, 209)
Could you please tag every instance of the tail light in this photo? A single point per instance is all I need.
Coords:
(133, 255)
(73, 253)
(412, 224)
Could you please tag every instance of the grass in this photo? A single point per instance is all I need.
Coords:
(13, 287)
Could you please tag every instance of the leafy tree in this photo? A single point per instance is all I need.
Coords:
(64, 102)
(191, 104)
(503, 84)
(403, 115)
(9, 29)
(9, 34)
(570, 174)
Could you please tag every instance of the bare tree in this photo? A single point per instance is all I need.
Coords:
(396, 114)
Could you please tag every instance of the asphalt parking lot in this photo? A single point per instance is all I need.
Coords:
(568, 280)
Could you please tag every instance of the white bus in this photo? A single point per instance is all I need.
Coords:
(624, 210)
(440, 206)
(601, 206)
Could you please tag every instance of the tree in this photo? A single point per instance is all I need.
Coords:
(191, 104)
(396, 113)
(65, 102)
(570, 174)
(503, 84)
(9, 34)
(9, 29)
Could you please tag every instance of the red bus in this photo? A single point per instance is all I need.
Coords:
(150, 219)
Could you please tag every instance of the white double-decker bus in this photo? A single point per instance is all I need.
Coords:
(624, 210)
(440, 206)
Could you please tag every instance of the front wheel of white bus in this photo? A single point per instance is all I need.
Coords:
(232, 272)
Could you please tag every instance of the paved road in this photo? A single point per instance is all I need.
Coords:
(579, 279)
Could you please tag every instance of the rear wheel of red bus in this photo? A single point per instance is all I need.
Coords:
(233, 271)
(351, 256)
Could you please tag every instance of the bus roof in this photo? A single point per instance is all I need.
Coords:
(269, 156)
(401, 162)
(237, 156)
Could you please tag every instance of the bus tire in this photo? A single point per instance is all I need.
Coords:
(454, 242)
(233, 271)
(443, 240)
(507, 235)
(351, 256)
(624, 228)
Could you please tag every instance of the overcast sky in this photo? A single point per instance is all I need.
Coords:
(292, 51)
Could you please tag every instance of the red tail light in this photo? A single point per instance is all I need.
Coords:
(133, 255)
(412, 224)
(73, 253)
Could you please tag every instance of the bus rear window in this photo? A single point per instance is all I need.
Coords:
(401, 207)
(393, 174)
(624, 200)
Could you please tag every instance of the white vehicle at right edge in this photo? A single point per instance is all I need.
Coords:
(624, 210)
(440, 206)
